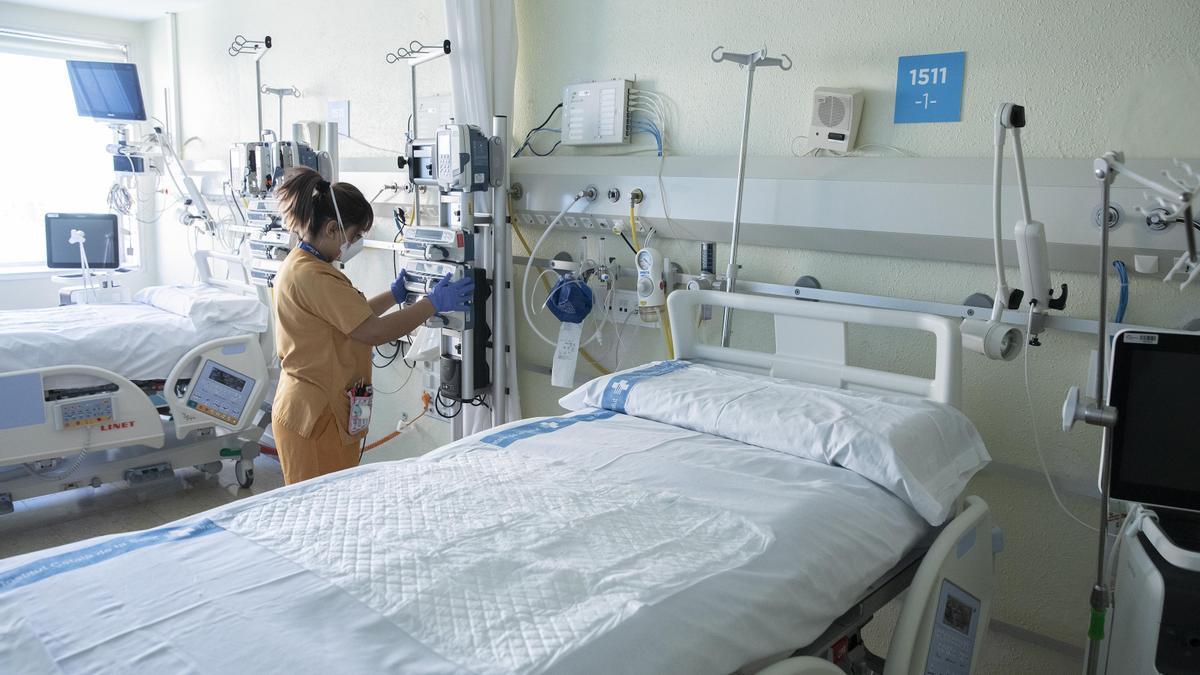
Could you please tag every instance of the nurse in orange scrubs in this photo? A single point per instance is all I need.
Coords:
(325, 327)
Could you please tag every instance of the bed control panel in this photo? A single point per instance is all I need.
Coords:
(220, 393)
(85, 411)
(954, 630)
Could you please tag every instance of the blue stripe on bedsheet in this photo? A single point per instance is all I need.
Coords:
(617, 392)
(505, 438)
(106, 550)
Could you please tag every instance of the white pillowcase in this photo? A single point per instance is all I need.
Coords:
(206, 306)
(922, 451)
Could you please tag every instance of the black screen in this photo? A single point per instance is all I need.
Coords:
(100, 245)
(1156, 447)
(228, 379)
(106, 90)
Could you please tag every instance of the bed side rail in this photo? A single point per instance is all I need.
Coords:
(240, 354)
(953, 589)
(33, 428)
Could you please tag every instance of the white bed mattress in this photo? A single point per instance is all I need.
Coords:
(799, 543)
(134, 340)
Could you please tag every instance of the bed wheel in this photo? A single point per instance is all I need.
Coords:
(244, 471)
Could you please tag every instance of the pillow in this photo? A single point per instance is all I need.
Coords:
(206, 306)
(922, 451)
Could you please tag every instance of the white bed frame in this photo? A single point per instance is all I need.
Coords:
(815, 350)
(810, 346)
(143, 445)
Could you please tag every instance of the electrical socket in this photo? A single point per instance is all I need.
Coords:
(624, 302)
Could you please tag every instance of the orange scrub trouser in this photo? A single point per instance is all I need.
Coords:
(323, 452)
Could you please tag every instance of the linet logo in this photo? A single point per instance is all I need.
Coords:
(117, 425)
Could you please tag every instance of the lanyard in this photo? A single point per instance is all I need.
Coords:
(310, 249)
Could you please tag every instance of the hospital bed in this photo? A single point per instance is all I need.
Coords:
(91, 394)
(658, 527)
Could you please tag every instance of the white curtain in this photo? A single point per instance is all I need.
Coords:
(483, 73)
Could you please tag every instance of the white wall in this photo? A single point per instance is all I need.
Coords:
(1051, 56)
(39, 290)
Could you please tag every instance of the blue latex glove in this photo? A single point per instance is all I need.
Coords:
(398, 290)
(452, 296)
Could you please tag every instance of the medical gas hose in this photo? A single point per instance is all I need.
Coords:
(587, 356)
(525, 278)
(665, 321)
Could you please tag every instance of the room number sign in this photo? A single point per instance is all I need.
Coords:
(929, 88)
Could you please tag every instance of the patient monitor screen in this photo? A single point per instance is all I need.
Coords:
(100, 240)
(106, 90)
(1156, 390)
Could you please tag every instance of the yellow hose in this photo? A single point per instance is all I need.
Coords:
(591, 360)
(665, 320)
(633, 227)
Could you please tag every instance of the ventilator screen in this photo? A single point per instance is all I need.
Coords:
(1156, 391)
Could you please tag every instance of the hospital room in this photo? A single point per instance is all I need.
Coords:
(600, 336)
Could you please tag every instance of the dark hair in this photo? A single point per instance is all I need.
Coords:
(306, 200)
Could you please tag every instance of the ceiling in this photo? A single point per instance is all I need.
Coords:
(130, 10)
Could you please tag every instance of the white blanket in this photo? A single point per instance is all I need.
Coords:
(134, 340)
(576, 558)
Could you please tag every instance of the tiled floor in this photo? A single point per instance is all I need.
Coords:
(78, 514)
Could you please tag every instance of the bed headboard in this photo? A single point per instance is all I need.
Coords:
(237, 266)
(238, 280)
(818, 352)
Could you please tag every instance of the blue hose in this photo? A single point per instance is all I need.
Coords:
(1123, 302)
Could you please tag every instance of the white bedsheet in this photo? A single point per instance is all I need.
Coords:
(210, 600)
(134, 340)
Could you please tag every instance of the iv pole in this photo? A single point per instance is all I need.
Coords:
(241, 45)
(416, 53)
(1096, 412)
(750, 62)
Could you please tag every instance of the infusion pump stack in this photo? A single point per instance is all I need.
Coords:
(261, 166)
(464, 165)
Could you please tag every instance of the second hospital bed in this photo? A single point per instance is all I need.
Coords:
(658, 528)
(130, 391)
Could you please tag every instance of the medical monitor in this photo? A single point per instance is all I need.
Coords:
(1155, 388)
(101, 240)
(107, 90)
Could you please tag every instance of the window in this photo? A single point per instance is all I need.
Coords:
(55, 161)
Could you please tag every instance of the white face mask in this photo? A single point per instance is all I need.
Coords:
(347, 250)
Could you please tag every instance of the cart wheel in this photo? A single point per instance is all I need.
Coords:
(244, 472)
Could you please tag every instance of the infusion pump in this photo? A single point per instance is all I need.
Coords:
(460, 161)
(263, 167)
(269, 242)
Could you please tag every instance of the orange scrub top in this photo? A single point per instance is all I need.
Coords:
(316, 309)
